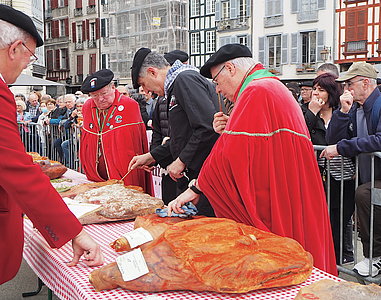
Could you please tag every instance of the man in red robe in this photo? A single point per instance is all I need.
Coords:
(23, 186)
(262, 171)
(113, 132)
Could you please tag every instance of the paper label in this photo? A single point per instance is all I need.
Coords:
(138, 237)
(132, 265)
(80, 209)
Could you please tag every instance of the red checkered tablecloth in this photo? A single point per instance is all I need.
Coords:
(72, 283)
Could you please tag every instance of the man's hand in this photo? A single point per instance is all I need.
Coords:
(185, 197)
(315, 105)
(329, 152)
(83, 244)
(175, 169)
(141, 161)
(219, 122)
(346, 100)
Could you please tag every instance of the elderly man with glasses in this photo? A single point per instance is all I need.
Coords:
(356, 128)
(113, 133)
(262, 171)
(23, 187)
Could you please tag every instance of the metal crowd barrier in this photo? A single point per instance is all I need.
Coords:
(375, 200)
(52, 141)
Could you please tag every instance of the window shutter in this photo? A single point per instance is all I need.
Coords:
(261, 50)
(49, 60)
(74, 32)
(66, 26)
(233, 9)
(97, 29)
(54, 4)
(321, 4)
(362, 25)
(80, 64)
(91, 2)
(56, 28)
(294, 6)
(248, 8)
(294, 48)
(67, 58)
(78, 3)
(83, 31)
(57, 66)
(218, 11)
(93, 63)
(66, 3)
(249, 42)
(350, 28)
(320, 43)
(88, 29)
(284, 59)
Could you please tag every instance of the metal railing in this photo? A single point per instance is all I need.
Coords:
(374, 201)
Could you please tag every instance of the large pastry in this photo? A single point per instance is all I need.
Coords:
(53, 169)
(330, 290)
(118, 202)
(213, 254)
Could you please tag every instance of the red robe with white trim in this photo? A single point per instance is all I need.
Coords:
(263, 172)
(123, 136)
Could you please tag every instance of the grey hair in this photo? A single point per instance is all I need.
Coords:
(329, 68)
(70, 96)
(10, 33)
(81, 99)
(244, 63)
(153, 59)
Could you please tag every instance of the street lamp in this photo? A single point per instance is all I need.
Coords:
(325, 53)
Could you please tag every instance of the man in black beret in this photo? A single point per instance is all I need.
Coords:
(113, 132)
(262, 169)
(174, 55)
(192, 103)
(305, 91)
(34, 195)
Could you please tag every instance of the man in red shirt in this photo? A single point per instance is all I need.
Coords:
(23, 187)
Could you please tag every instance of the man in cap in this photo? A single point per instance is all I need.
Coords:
(23, 187)
(356, 128)
(174, 55)
(113, 132)
(253, 174)
(192, 102)
(305, 91)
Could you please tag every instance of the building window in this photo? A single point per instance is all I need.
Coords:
(92, 32)
(210, 6)
(242, 39)
(61, 3)
(79, 33)
(62, 28)
(105, 27)
(105, 61)
(308, 47)
(48, 30)
(308, 10)
(274, 51)
(195, 43)
(210, 41)
(225, 10)
(242, 9)
(64, 59)
(273, 8)
(195, 8)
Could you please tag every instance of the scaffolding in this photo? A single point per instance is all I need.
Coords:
(155, 24)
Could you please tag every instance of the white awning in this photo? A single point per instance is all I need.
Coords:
(27, 80)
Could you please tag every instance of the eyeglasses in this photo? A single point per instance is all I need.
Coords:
(215, 77)
(349, 83)
(33, 58)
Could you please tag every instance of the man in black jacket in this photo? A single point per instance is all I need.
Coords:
(192, 102)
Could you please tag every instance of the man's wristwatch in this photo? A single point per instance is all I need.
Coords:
(192, 186)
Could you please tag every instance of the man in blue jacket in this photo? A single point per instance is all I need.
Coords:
(355, 128)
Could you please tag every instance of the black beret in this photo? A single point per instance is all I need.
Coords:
(225, 53)
(20, 20)
(172, 56)
(97, 81)
(139, 57)
(308, 83)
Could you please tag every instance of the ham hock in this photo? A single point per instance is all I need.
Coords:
(213, 254)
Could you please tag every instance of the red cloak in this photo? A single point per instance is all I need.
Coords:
(123, 136)
(263, 172)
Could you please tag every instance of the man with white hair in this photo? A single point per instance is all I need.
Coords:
(254, 174)
(23, 187)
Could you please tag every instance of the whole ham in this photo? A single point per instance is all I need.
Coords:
(330, 290)
(213, 254)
